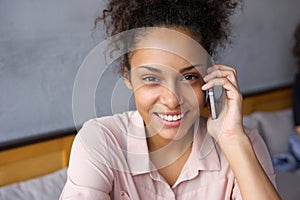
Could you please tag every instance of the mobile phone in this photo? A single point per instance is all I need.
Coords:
(212, 104)
(214, 100)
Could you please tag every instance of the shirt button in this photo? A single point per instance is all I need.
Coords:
(122, 193)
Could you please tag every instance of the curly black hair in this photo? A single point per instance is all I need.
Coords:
(207, 20)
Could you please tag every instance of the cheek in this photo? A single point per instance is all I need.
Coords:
(201, 100)
(195, 96)
(144, 98)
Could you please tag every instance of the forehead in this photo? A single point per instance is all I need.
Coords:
(169, 47)
(164, 60)
(177, 41)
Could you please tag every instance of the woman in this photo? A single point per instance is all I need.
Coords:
(154, 152)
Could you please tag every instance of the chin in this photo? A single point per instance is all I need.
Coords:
(173, 133)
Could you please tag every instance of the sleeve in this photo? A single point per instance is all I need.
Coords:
(87, 178)
(263, 157)
(296, 100)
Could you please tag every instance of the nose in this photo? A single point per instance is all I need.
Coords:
(170, 97)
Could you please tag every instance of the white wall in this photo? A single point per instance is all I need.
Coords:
(42, 44)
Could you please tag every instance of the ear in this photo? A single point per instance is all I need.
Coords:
(128, 82)
(126, 75)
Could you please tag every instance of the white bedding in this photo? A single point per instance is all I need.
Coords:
(46, 187)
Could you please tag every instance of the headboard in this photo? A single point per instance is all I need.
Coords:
(272, 100)
(33, 160)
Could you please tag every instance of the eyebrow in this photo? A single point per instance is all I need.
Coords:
(151, 69)
(181, 71)
(190, 68)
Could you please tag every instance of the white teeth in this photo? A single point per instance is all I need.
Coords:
(165, 117)
(171, 117)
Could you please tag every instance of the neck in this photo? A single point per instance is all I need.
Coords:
(164, 152)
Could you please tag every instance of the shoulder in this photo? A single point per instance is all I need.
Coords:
(106, 131)
(109, 124)
(105, 139)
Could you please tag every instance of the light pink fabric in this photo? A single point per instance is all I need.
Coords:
(110, 160)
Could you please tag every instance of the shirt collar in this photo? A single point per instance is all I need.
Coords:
(137, 148)
(202, 157)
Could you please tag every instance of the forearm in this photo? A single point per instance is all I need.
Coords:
(252, 180)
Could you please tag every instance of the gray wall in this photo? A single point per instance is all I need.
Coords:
(43, 43)
(263, 42)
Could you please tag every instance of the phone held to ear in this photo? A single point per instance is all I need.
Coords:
(215, 101)
(214, 95)
(212, 104)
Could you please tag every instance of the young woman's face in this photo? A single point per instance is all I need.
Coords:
(167, 86)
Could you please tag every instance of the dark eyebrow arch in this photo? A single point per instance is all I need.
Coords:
(189, 68)
(181, 71)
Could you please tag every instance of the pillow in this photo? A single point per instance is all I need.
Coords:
(47, 187)
(250, 122)
(275, 128)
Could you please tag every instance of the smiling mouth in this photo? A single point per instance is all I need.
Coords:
(170, 118)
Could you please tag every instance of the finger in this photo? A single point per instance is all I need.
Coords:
(224, 82)
(222, 71)
(231, 90)
(222, 74)
(221, 67)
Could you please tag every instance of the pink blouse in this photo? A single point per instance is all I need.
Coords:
(110, 160)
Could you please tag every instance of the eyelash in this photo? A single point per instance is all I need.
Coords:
(188, 77)
(150, 79)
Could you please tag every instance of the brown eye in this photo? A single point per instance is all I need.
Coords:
(189, 77)
(151, 79)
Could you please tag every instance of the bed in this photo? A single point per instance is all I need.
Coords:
(38, 170)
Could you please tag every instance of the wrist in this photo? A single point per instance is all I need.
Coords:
(233, 143)
(239, 137)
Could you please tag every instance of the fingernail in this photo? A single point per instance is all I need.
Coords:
(204, 87)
